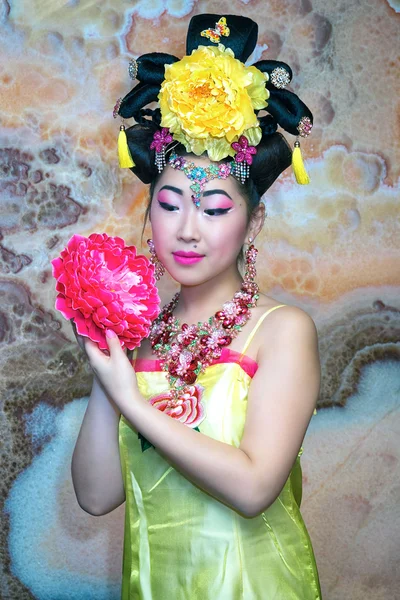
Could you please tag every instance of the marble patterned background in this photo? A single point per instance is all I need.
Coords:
(331, 247)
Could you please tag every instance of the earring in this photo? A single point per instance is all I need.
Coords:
(159, 268)
(250, 273)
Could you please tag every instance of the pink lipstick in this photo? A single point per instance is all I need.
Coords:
(187, 258)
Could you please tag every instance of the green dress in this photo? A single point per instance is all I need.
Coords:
(180, 542)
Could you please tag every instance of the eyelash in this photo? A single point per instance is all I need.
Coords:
(211, 212)
(168, 207)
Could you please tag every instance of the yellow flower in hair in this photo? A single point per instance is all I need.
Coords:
(207, 101)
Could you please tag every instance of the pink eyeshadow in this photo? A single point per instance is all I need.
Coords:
(223, 203)
(166, 195)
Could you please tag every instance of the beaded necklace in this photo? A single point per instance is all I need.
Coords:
(186, 350)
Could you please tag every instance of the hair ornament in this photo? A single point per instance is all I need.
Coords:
(304, 127)
(280, 77)
(199, 175)
(215, 34)
(124, 155)
(243, 157)
(161, 139)
(133, 68)
(207, 114)
(116, 108)
(209, 102)
(298, 167)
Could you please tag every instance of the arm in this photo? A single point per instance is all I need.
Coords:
(281, 401)
(96, 468)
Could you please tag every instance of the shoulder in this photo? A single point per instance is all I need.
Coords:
(287, 325)
(288, 349)
(286, 313)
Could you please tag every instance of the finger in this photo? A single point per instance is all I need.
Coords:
(92, 350)
(114, 345)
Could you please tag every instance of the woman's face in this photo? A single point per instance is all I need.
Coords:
(197, 244)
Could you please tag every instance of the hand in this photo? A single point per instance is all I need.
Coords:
(112, 368)
(81, 342)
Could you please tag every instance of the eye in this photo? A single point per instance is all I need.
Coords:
(168, 207)
(213, 212)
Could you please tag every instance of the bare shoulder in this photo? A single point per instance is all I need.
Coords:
(288, 312)
(287, 324)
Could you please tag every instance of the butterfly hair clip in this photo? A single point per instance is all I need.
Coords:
(214, 35)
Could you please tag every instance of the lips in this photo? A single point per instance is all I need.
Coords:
(188, 254)
(187, 258)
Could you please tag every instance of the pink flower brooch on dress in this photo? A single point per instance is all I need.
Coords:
(187, 408)
(103, 284)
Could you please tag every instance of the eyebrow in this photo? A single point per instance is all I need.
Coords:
(206, 193)
(211, 192)
(172, 188)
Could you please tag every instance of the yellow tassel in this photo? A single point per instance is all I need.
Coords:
(125, 158)
(298, 166)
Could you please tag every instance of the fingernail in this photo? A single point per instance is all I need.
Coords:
(110, 333)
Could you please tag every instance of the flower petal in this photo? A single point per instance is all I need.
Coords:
(103, 283)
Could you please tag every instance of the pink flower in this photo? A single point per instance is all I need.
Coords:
(116, 108)
(225, 170)
(178, 162)
(103, 284)
(160, 139)
(187, 335)
(215, 340)
(244, 152)
(187, 409)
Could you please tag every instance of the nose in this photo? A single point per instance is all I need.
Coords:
(189, 225)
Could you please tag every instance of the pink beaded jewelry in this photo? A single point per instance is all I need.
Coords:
(159, 267)
(161, 139)
(186, 350)
(304, 127)
(239, 167)
(199, 175)
(243, 158)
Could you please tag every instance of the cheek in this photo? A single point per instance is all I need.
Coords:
(230, 235)
(160, 234)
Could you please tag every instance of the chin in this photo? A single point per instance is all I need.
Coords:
(192, 278)
(189, 279)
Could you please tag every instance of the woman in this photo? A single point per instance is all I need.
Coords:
(213, 493)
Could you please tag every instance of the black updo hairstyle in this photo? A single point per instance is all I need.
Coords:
(285, 108)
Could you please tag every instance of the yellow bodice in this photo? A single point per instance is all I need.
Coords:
(180, 542)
